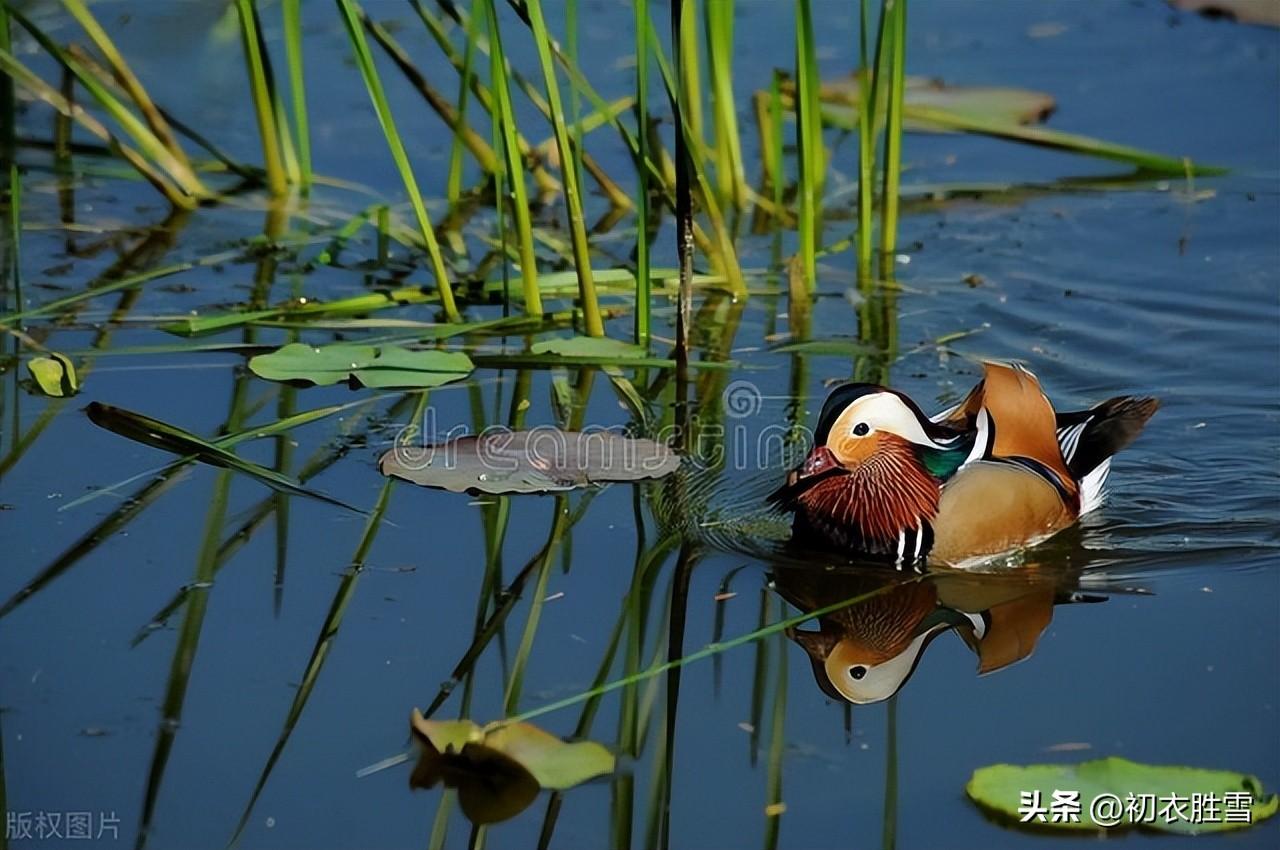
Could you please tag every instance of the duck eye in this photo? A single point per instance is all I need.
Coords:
(862, 429)
(857, 672)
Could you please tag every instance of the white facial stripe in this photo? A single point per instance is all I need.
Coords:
(979, 624)
(983, 423)
(887, 412)
(881, 681)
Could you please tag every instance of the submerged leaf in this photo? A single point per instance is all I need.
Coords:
(999, 789)
(589, 346)
(498, 769)
(541, 460)
(373, 367)
(55, 375)
(843, 346)
(1004, 104)
(171, 438)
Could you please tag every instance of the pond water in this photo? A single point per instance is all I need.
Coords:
(147, 683)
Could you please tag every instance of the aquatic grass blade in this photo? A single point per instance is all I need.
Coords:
(641, 12)
(730, 172)
(163, 182)
(572, 190)
(453, 117)
(1059, 140)
(291, 12)
(893, 134)
(260, 91)
(324, 641)
(808, 142)
(154, 118)
(152, 145)
(161, 435)
(278, 427)
(777, 743)
(453, 183)
(519, 199)
(373, 83)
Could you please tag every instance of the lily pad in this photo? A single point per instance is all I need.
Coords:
(1237, 799)
(379, 367)
(498, 769)
(541, 460)
(55, 375)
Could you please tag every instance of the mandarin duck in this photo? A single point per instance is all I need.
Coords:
(998, 472)
(866, 652)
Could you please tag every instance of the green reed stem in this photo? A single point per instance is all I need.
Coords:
(721, 252)
(866, 144)
(187, 645)
(515, 683)
(127, 78)
(291, 10)
(461, 131)
(809, 141)
(777, 744)
(328, 633)
(260, 90)
(641, 11)
(575, 97)
(11, 271)
(368, 70)
(889, 828)
(893, 133)
(547, 185)
(572, 190)
(519, 198)
(730, 172)
(691, 77)
(453, 185)
(137, 129)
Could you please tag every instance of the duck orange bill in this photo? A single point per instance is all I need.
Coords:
(819, 465)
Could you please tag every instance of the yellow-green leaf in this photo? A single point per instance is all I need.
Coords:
(55, 375)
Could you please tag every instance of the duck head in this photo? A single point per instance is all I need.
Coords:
(872, 481)
(867, 652)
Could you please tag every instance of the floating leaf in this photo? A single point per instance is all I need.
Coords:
(356, 305)
(376, 367)
(1004, 113)
(498, 769)
(589, 346)
(541, 460)
(1264, 12)
(55, 375)
(1005, 104)
(162, 435)
(998, 789)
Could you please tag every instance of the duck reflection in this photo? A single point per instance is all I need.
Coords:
(866, 652)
